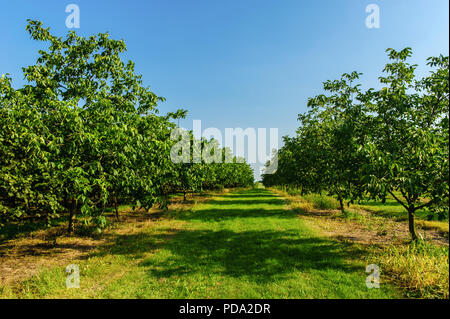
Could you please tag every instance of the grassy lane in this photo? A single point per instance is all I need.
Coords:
(239, 245)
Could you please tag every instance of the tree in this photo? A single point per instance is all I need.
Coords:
(394, 140)
(337, 124)
(408, 148)
(84, 132)
(324, 155)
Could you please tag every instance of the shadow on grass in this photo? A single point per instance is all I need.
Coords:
(228, 208)
(252, 197)
(260, 256)
(388, 203)
(222, 214)
(391, 209)
(135, 245)
(255, 255)
(246, 201)
(254, 194)
(24, 228)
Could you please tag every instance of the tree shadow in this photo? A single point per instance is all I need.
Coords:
(18, 229)
(379, 203)
(45, 249)
(254, 255)
(259, 256)
(136, 244)
(257, 195)
(247, 201)
(225, 213)
(249, 194)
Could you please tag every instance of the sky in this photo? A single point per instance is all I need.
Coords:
(238, 63)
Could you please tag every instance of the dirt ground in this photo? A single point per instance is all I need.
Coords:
(363, 227)
(387, 232)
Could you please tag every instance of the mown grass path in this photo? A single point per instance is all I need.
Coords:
(244, 244)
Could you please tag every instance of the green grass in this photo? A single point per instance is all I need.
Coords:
(391, 209)
(394, 210)
(321, 201)
(243, 244)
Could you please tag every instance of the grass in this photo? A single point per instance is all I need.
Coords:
(24, 228)
(244, 244)
(394, 210)
(421, 268)
(322, 201)
(315, 201)
(309, 202)
(440, 226)
(390, 209)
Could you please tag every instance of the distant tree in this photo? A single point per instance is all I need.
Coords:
(336, 122)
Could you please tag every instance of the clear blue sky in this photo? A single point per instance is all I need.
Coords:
(239, 63)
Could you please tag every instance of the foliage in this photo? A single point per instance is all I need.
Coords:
(85, 134)
(395, 140)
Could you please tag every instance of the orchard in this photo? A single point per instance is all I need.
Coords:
(85, 134)
(394, 141)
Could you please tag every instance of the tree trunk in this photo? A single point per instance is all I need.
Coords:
(341, 203)
(72, 212)
(412, 229)
(184, 196)
(116, 207)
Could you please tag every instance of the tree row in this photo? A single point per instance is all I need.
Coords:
(85, 134)
(390, 141)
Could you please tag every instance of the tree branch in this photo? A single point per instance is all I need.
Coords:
(398, 200)
(425, 205)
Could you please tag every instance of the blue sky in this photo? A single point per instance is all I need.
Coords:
(239, 63)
